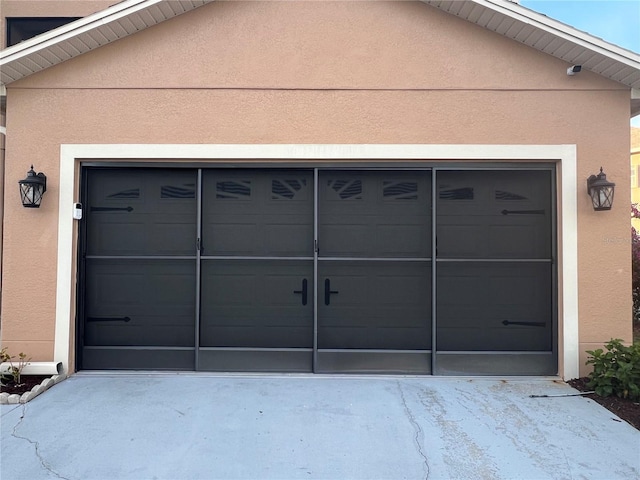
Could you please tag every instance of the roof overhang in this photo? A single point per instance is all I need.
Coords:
(88, 33)
(503, 17)
(549, 36)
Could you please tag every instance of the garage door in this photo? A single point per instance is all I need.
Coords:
(319, 270)
(494, 272)
(139, 269)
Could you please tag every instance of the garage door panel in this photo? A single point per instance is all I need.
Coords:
(258, 336)
(374, 338)
(494, 214)
(494, 339)
(253, 235)
(374, 214)
(148, 284)
(403, 240)
(374, 305)
(343, 239)
(511, 304)
(294, 238)
(259, 299)
(137, 358)
(232, 239)
(258, 213)
(154, 235)
(488, 237)
(511, 241)
(142, 331)
(140, 302)
(141, 212)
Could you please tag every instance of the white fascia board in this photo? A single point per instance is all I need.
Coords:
(562, 30)
(75, 28)
(80, 26)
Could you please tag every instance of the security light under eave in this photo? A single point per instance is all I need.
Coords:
(601, 191)
(572, 70)
(32, 188)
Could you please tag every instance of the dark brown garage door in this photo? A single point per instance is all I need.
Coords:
(318, 270)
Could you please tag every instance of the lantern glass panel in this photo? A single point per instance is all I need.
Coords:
(602, 198)
(31, 195)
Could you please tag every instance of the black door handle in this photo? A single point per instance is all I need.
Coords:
(328, 291)
(303, 292)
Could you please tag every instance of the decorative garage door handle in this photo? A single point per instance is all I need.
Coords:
(108, 319)
(526, 324)
(328, 291)
(303, 292)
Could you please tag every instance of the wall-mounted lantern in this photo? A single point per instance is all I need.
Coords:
(32, 188)
(600, 191)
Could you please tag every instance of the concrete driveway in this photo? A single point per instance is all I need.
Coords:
(203, 426)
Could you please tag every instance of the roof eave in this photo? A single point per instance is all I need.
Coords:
(579, 47)
(86, 34)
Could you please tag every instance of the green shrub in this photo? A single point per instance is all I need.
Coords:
(616, 371)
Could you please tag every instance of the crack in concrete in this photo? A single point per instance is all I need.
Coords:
(417, 428)
(36, 445)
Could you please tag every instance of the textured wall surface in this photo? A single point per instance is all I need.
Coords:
(314, 72)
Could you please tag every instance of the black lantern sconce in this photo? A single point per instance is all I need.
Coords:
(32, 188)
(600, 191)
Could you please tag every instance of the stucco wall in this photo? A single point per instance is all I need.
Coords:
(314, 72)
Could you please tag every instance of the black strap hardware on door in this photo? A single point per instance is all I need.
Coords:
(328, 291)
(303, 292)
(111, 209)
(522, 212)
(525, 324)
(109, 319)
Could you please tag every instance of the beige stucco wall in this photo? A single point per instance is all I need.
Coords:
(314, 72)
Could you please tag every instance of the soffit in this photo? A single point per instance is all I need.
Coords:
(86, 34)
(549, 36)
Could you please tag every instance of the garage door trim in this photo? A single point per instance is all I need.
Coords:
(563, 155)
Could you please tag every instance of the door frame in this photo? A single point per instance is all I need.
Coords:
(325, 156)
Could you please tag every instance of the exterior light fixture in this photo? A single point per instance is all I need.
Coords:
(600, 191)
(32, 188)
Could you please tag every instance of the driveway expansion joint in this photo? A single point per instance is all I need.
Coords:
(418, 429)
(36, 445)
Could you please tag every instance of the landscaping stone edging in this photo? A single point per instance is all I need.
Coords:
(46, 384)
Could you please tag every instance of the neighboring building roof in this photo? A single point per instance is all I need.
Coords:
(501, 16)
